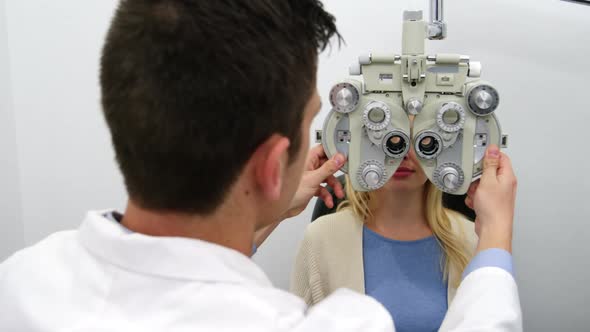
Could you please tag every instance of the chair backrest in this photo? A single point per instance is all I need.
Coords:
(452, 202)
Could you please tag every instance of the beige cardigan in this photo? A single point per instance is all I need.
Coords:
(331, 256)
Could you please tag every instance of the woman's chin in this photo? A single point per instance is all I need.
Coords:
(404, 185)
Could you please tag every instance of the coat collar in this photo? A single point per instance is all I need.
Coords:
(166, 257)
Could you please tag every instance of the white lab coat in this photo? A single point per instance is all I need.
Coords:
(104, 278)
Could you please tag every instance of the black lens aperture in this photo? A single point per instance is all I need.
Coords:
(429, 146)
(396, 145)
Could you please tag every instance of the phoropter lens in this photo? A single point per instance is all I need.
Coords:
(451, 117)
(396, 145)
(428, 146)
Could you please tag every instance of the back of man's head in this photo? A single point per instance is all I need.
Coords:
(190, 89)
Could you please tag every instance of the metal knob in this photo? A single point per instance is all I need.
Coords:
(450, 178)
(414, 106)
(483, 100)
(372, 178)
(344, 97)
(372, 175)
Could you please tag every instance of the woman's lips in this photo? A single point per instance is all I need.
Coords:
(403, 172)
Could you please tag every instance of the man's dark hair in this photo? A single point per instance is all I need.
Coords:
(190, 89)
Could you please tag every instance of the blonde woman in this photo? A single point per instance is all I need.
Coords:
(397, 244)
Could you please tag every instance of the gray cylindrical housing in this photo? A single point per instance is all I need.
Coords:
(436, 11)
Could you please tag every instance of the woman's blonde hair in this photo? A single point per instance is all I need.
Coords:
(454, 245)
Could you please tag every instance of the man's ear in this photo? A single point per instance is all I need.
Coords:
(270, 164)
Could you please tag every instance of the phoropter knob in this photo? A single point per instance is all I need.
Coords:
(483, 100)
(449, 177)
(371, 175)
(414, 106)
(344, 97)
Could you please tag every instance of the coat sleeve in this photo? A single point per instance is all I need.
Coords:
(346, 310)
(486, 301)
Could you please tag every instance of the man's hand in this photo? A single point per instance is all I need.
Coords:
(318, 170)
(493, 198)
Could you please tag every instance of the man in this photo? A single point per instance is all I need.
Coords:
(209, 104)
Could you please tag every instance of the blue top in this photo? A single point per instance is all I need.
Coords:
(407, 278)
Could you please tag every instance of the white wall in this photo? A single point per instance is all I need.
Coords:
(534, 51)
(11, 227)
(66, 163)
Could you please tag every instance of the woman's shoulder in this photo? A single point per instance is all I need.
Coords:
(334, 226)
